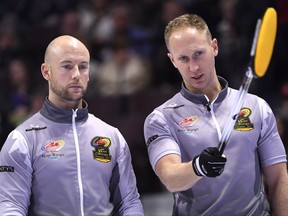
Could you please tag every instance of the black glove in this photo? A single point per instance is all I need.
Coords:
(209, 163)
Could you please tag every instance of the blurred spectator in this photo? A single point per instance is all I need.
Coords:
(160, 61)
(38, 24)
(70, 24)
(229, 45)
(146, 12)
(209, 10)
(9, 41)
(124, 73)
(92, 12)
(9, 45)
(19, 91)
(115, 22)
(42, 13)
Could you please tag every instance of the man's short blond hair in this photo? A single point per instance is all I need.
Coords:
(186, 20)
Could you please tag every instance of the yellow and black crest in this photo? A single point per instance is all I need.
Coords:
(243, 122)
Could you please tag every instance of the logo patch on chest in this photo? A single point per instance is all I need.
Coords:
(243, 122)
(52, 149)
(101, 149)
(188, 124)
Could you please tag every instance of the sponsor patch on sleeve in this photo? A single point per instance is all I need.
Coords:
(6, 169)
(151, 139)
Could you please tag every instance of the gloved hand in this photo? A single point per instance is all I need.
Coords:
(209, 163)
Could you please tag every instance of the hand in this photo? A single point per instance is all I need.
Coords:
(209, 163)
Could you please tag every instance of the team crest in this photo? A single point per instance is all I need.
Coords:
(188, 124)
(243, 122)
(52, 149)
(101, 149)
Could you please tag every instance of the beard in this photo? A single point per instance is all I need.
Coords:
(64, 93)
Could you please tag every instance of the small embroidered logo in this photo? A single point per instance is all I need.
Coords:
(101, 149)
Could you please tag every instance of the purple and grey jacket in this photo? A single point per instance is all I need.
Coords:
(67, 162)
(188, 123)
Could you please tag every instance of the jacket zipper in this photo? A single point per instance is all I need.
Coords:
(76, 141)
(216, 123)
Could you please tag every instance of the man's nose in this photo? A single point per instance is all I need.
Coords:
(76, 73)
(193, 66)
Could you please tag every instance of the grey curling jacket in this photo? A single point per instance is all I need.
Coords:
(67, 162)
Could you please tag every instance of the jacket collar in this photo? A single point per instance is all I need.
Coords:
(200, 98)
(56, 114)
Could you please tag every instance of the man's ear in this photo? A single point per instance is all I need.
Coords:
(170, 56)
(45, 71)
(215, 46)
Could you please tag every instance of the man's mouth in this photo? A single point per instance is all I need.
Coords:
(197, 77)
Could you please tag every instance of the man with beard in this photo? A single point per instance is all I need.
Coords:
(64, 160)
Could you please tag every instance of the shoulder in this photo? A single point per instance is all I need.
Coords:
(251, 97)
(173, 102)
(31, 123)
(98, 122)
(102, 127)
(162, 115)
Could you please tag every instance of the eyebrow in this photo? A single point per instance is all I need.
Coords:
(69, 62)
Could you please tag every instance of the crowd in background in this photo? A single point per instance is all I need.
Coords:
(130, 71)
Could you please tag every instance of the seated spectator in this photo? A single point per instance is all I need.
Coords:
(19, 91)
(124, 73)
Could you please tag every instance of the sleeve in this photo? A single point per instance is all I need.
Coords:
(270, 146)
(159, 138)
(15, 176)
(123, 186)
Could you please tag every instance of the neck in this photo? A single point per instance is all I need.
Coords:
(214, 91)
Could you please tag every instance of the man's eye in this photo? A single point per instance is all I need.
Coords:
(197, 54)
(183, 58)
(83, 67)
(67, 67)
